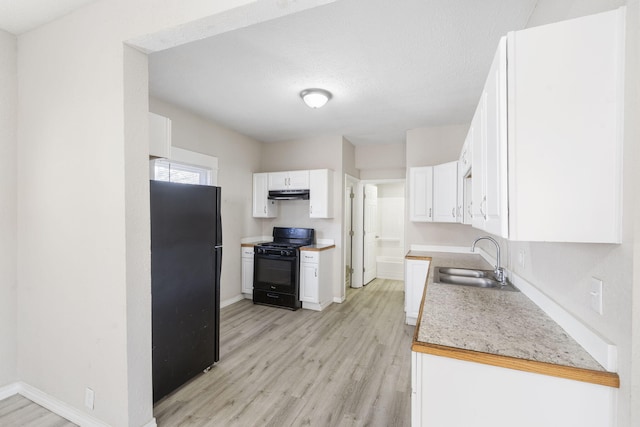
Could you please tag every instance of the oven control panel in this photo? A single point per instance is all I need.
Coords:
(276, 251)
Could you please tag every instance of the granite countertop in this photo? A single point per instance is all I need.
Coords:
(489, 321)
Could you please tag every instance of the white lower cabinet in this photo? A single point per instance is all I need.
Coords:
(315, 279)
(415, 278)
(447, 392)
(247, 272)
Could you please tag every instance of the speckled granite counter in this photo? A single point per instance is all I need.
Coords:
(506, 326)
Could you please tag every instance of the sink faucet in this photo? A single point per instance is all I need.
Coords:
(499, 271)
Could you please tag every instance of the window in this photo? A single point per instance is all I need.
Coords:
(186, 167)
(164, 170)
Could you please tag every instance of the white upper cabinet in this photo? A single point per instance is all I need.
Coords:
(292, 180)
(159, 136)
(565, 130)
(464, 181)
(321, 193)
(493, 204)
(445, 190)
(547, 134)
(262, 206)
(421, 194)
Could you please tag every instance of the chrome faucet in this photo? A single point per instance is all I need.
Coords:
(499, 271)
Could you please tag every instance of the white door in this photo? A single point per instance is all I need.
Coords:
(348, 216)
(370, 232)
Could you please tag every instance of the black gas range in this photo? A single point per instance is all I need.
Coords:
(276, 274)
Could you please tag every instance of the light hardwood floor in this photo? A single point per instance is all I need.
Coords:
(18, 411)
(348, 365)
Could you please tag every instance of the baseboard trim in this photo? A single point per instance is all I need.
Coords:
(231, 300)
(8, 390)
(56, 406)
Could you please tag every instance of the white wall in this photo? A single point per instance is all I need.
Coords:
(323, 152)
(381, 161)
(391, 201)
(238, 158)
(8, 200)
(83, 232)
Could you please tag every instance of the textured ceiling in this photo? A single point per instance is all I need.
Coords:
(391, 66)
(19, 16)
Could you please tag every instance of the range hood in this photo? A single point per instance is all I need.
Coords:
(288, 195)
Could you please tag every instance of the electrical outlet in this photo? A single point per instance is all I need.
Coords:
(596, 295)
(521, 254)
(88, 398)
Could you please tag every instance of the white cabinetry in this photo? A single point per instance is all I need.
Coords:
(291, 180)
(315, 280)
(489, 153)
(247, 272)
(321, 193)
(445, 191)
(553, 114)
(565, 130)
(421, 194)
(159, 136)
(262, 206)
(415, 278)
(451, 392)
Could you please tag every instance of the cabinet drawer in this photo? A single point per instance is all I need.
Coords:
(247, 252)
(309, 256)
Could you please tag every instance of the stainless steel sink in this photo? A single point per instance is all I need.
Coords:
(470, 277)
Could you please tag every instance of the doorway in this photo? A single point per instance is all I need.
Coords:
(374, 230)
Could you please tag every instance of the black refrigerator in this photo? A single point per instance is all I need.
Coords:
(186, 256)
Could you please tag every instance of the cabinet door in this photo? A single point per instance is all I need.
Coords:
(262, 206)
(321, 193)
(298, 180)
(159, 136)
(309, 284)
(495, 156)
(445, 192)
(478, 199)
(415, 280)
(566, 102)
(278, 180)
(421, 194)
(247, 273)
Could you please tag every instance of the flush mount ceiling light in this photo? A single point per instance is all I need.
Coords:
(315, 98)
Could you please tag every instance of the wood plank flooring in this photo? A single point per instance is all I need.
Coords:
(18, 411)
(348, 365)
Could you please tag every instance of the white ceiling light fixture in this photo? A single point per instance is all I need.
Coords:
(315, 98)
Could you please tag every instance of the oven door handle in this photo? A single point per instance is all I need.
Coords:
(269, 256)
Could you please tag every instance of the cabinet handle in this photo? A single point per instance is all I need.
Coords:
(469, 209)
(315, 272)
(483, 203)
(429, 212)
(453, 212)
(265, 209)
(310, 209)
